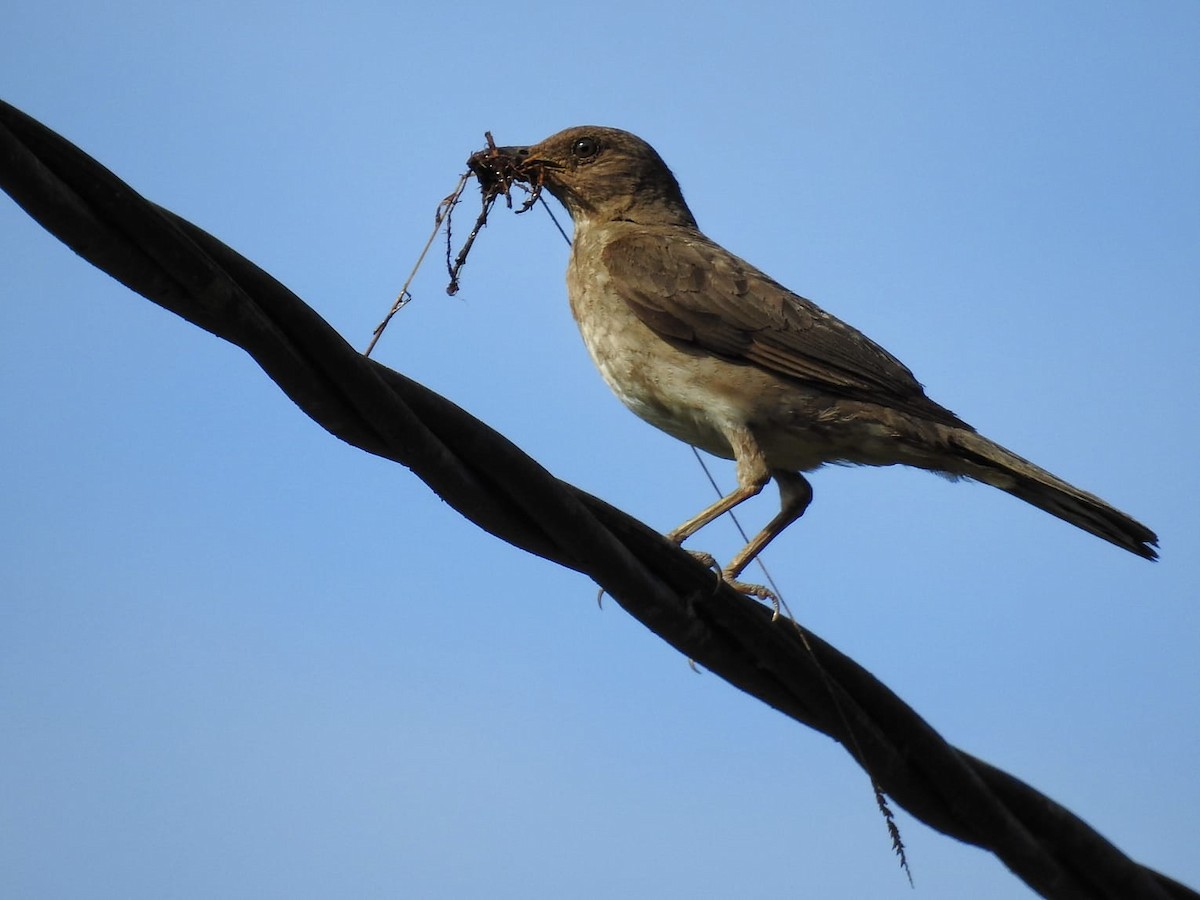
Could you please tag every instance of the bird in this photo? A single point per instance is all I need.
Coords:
(701, 344)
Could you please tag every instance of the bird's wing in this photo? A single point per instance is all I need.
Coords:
(688, 289)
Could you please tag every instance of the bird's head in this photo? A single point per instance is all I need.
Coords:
(600, 175)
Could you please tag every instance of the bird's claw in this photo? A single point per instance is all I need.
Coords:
(758, 591)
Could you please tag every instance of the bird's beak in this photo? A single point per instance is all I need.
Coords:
(516, 154)
(525, 160)
(499, 164)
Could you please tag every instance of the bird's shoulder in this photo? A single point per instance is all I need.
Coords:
(688, 288)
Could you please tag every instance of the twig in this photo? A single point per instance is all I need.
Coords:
(442, 215)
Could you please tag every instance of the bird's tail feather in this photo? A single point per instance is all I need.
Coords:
(991, 463)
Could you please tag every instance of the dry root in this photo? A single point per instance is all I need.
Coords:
(496, 172)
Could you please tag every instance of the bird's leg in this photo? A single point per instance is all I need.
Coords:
(753, 474)
(698, 521)
(718, 509)
(795, 493)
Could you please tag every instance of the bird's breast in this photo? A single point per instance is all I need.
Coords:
(675, 390)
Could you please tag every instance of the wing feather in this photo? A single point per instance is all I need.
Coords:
(689, 289)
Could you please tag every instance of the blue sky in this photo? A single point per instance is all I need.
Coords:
(240, 659)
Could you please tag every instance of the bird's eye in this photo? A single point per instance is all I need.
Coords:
(585, 148)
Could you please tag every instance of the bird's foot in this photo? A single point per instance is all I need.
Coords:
(758, 591)
(710, 562)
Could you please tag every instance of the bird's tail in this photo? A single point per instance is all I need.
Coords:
(987, 461)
